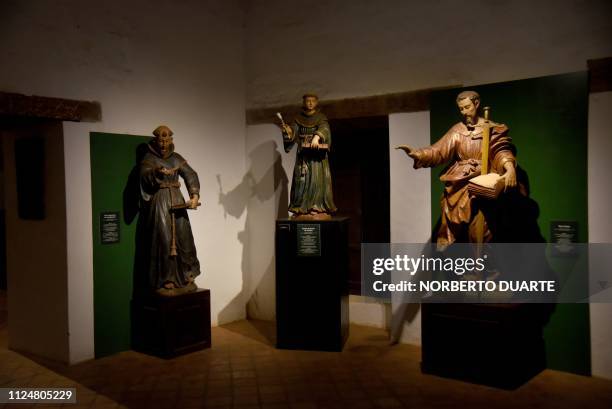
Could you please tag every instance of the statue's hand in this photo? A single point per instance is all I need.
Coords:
(193, 203)
(164, 171)
(409, 151)
(509, 176)
(315, 142)
(287, 131)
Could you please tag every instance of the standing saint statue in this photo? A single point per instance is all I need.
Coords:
(311, 190)
(462, 149)
(169, 253)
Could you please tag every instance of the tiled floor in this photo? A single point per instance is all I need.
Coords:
(243, 370)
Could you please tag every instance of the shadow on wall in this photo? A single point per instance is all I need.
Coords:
(512, 219)
(265, 179)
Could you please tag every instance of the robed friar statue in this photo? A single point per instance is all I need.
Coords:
(168, 253)
(311, 188)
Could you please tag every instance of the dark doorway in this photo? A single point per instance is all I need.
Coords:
(359, 164)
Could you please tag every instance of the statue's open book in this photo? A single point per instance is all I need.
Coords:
(487, 186)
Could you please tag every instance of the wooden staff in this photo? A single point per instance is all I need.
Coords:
(173, 209)
(484, 169)
(173, 252)
(173, 243)
(171, 171)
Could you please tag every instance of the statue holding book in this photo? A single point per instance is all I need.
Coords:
(311, 189)
(481, 164)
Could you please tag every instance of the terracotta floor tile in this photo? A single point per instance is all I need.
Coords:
(299, 396)
(245, 390)
(218, 384)
(303, 405)
(192, 392)
(220, 375)
(219, 392)
(275, 406)
(249, 399)
(224, 400)
(360, 404)
(157, 395)
(243, 374)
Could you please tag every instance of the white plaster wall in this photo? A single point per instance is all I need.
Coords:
(410, 188)
(410, 210)
(600, 224)
(79, 242)
(369, 312)
(347, 48)
(147, 63)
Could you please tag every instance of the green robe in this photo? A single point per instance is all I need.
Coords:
(311, 189)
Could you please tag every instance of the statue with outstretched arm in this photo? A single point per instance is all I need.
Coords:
(461, 148)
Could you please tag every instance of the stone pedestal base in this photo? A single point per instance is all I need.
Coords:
(499, 345)
(171, 326)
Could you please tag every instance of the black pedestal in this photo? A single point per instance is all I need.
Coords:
(171, 326)
(499, 345)
(312, 284)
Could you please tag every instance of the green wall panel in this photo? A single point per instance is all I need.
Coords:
(113, 158)
(547, 118)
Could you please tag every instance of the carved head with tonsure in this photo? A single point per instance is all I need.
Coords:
(163, 139)
(310, 102)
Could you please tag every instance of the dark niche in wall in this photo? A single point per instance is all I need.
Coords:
(30, 172)
(359, 164)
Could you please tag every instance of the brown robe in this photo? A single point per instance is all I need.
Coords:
(461, 148)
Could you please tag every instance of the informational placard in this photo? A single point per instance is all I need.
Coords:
(309, 240)
(110, 227)
(563, 234)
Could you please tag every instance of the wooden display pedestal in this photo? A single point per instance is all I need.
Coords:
(312, 284)
(498, 345)
(171, 326)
